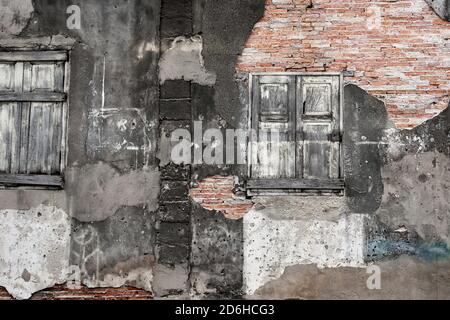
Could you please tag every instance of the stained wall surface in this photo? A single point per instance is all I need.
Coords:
(132, 223)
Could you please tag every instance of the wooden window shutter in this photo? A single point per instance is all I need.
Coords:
(273, 114)
(306, 110)
(318, 127)
(32, 115)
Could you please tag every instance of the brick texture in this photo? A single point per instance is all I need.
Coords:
(61, 292)
(217, 193)
(403, 57)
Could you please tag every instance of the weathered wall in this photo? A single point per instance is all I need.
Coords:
(396, 50)
(396, 196)
(130, 217)
(103, 221)
(200, 44)
(394, 214)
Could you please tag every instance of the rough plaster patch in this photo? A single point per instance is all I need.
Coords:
(419, 196)
(137, 272)
(302, 208)
(97, 191)
(184, 61)
(404, 278)
(168, 280)
(271, 243)
(34, 249)
(14, 16)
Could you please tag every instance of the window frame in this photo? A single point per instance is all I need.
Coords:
(40, 54)
(297, 186)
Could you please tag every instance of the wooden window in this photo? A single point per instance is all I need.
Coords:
(305, 112)
(33, 110)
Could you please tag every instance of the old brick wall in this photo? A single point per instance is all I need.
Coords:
(61, 292)
(398, 51)
(218, 193)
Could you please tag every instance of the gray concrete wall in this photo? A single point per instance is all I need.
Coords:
(139, 70)
(103, 219)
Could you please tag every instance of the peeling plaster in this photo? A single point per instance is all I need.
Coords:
(34, 249)
(184, 61)
(14, 16)
(219, 193)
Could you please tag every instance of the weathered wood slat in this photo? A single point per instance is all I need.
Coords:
(9, 137)
(337, 184)
(31, 180)
(273, 118)
(7, 77)
(14, 56)
(316, 146)
(33, 96)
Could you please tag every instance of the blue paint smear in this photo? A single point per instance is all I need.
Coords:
(381, 248)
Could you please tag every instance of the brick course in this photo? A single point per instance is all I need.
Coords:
(61, 292)
(217, 193)
(404, 60)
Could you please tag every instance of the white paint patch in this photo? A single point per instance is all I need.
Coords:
(34, 249)
(184, 61)
(275, 238)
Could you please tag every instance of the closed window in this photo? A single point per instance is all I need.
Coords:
(33, 110)
(297, 121)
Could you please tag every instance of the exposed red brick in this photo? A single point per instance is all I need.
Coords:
(405, 63)
(217, 193)
(61, 292)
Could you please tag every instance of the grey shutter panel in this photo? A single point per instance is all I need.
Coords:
(273, 115)
(319, 125)
(10, 82)
(45, 118)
